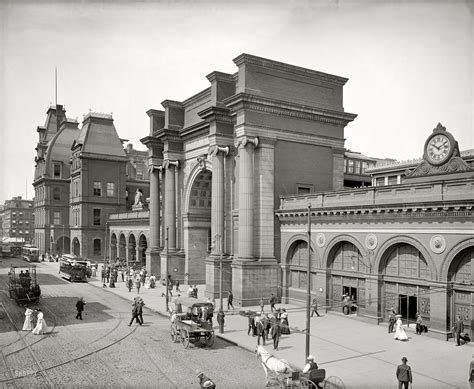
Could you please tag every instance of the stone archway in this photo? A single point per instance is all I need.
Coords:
(197, 226)
(122, 248)
(142, 246)
(63, 245)
(76, 247)
(460, 275)
(132, 249)
(113, 247)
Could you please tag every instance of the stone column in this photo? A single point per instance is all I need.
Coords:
(217, 205)
(170, 201)
(246, 198)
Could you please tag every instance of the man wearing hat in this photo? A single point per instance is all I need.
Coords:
(310, 366)
(204, 381)
(404, 375)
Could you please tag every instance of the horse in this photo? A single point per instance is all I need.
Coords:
(270, 363)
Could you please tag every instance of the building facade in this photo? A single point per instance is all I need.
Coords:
(81, 177)
(407, 245)
(18, 219)
(221, 159)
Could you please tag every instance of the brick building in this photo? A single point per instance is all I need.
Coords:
(18, 219)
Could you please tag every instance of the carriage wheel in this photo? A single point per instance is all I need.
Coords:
(210, 338)
(334, 382)
(173, 334)
(184, 337)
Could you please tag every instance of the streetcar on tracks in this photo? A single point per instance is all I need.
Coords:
(22, 284)
(194, 325)
(30, 253)
(73, 268)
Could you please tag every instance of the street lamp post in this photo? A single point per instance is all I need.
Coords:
(308, 286)
(167, 260)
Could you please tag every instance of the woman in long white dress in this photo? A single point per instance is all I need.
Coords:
(400, 333)
(28, 323)
(41, 327)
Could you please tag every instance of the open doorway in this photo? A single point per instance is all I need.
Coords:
(352, 293)
(408, 306)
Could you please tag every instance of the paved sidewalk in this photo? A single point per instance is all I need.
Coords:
(362, 355)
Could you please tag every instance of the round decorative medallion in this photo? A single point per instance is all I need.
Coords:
(320, 239)
(437, 244)
(371, 241)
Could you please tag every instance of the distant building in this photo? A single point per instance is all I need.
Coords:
(18, 219)
(81, 177)
(357, 167)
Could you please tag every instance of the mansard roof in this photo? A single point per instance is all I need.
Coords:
(98, 136)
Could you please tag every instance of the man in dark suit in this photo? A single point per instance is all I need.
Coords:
(391, 320)
(276, 333)
(80, 308)
(458, 329)
(404, 375)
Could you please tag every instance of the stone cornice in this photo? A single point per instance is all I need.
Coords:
(102, 157)
(415, 211)
(250, 102)
(219, 76)
(287, 68)
(152, 141)
(155, 112)
(206, 93)
(171, 104)
(218, 114)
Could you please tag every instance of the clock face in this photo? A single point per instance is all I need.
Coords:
(438, 149)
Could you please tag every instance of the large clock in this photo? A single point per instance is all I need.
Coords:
(439, 147)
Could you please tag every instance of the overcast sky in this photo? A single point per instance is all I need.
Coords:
(410, 65)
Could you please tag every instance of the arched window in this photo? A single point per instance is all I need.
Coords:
(97, 247)
(406, 261)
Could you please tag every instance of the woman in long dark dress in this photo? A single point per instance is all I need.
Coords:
(285, 327)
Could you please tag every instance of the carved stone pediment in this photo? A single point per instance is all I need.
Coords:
(454, 165)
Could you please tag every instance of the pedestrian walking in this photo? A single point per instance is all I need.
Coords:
(419, 324)
(314, 307)
(28, 323)
(41, 327)
(285, 325)
(138, 284)
(260, 330)
(230, 299)
(135, 315)
(400, 333)
(458, 329)
(177, 286)
(391, 319)
(276, 333)
(262, 305)
(195, 291)
(80, 308)
(129, 284)
(273, 301)
(404, 375)
(251, 330)
(140, 303)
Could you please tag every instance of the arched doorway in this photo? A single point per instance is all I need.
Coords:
(347, 275)
(197, 227)
(132, 248)
(460, 274)
(76, 247)
(142, 246)
(113, 247)
(63, 245)
(122, 248)
(297, 270)
(405, 282)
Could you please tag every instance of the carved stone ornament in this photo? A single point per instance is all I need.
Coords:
(437, 244)
(320, 239)
(371, 241)
(168, 163)
(456, 164)
(246, 140)
(215, 149)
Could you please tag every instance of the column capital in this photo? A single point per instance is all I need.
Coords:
(216, 149)
(245, 140)
(167, 163)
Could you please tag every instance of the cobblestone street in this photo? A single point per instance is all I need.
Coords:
(102, 350)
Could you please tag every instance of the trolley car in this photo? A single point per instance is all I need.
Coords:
(30, 253)
(193, 325)
(73, 268)
(22, 286)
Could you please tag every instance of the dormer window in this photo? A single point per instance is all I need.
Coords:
(57, 169)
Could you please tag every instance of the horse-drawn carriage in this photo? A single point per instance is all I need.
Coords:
(194, 325)
(22, 285)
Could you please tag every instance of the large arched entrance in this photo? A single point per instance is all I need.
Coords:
(132, 249)
(142, 246)
(197, 227)
(113, 247)
(405, 282)
(76, 247)
(63, 245)
(460, 275)
(297, 261)
(347, 275)
(122, 248)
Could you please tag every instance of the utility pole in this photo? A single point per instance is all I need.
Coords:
(308, 286)
(167, 260)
